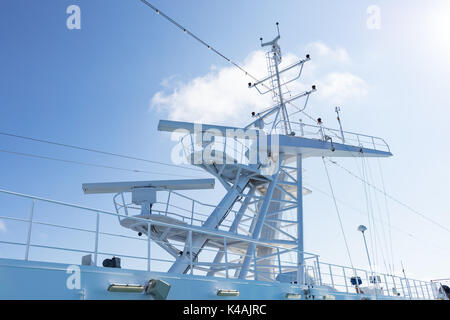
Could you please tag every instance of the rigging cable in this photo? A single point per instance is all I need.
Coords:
(185, 30)
(159, 12)
(378, 243)
(391, 255)
(94, 150)
(369, 216)
(387, 214)
(338, 214)
(384, 248)
(359, 211)
(392, 198)
(90, 164)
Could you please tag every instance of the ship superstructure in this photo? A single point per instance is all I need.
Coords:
(249, 245)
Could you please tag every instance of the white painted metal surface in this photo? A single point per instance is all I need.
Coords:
(128, 186)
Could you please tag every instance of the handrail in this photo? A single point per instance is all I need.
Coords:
(194, 215)
(238, 153)
(211, 232)
(266, 267)
(384, 285)
(320, 131)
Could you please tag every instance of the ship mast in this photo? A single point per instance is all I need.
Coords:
(274, 84)
(261, 170)
(274, 59)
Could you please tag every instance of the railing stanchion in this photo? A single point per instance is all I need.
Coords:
(190, 252)
(393, 285)
(124, 204)
(403, 288)
(168, 200)
(415, 288)
(254, 261)
(97, 228)
(192, 213)
(409, 288)
(224, 153)
(428, 292)
(30, 226)
(149, 247)
(345, 279)
(331, 275)
(279, 261)
(318, 269)
(225, 251)
(367, 277)
(387, 286)
(421, 289)
(305, 274)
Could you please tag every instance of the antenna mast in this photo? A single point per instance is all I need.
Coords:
(275, 84)
(274, 59)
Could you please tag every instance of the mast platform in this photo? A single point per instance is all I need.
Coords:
(308, 140)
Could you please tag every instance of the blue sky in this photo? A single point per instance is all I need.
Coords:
(94, 87)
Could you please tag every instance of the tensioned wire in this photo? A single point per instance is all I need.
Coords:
(65, 145)
(391, 197)
(220, 54)
(89, 164)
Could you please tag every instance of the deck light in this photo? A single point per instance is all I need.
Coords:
(227, 293)
(293, 296)
(362, 228)
(130, 288)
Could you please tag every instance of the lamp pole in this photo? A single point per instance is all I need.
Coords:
(363, 228)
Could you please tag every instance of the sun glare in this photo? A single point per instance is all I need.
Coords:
(438, 28)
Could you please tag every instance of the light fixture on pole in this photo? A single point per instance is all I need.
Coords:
(363, 228)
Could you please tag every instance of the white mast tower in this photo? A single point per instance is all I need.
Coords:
(263, 182)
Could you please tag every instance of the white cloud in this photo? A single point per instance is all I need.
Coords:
(321, 50)
(2, 226)
(337, 88)
(222, 96)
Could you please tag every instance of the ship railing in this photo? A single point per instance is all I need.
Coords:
(372, 283)
(321, 132)
(262, 268)
(177, 206)
(440, 288)
(223, 150)
(218, 150)
(53, 231)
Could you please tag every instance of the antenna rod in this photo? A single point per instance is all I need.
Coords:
(337, 109)
(186, 31)
(275, 61)
(406, 279)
